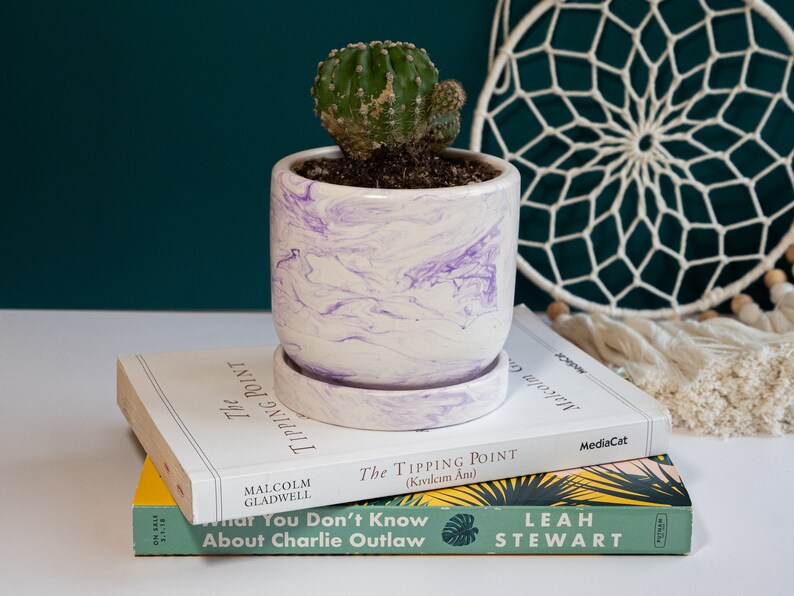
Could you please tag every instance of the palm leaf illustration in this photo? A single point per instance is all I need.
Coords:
(537, 489)
(601, 485)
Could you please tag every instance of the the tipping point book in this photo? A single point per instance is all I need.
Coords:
(228, 449)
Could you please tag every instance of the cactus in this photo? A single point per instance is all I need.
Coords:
(385, 95)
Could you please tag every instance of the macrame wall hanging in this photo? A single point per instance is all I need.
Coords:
(655, 140)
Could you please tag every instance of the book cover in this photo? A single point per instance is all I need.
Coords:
(227, 448)
(633, 507)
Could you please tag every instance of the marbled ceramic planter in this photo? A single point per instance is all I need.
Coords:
(393, 289)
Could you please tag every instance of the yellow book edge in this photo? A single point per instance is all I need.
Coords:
(151, 490)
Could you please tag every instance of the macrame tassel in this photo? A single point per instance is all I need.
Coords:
(718, 377)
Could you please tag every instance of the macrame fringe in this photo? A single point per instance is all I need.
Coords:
(718, 376)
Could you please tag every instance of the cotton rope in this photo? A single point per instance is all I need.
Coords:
(663, 166)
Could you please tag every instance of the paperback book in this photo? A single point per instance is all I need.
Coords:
(227, 448)
(633, 507)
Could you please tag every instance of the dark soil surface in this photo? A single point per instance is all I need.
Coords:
(397, 170)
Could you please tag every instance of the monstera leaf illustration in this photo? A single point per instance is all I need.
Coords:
(460, 530)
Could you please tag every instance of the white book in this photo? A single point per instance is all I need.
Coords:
(227, 448)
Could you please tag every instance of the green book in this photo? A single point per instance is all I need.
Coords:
(633, 507)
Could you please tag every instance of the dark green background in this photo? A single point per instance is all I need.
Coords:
(137, 138)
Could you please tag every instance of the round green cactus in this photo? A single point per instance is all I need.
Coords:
(385, 94)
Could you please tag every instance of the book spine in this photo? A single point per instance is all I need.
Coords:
(249, 494)
(163, 530)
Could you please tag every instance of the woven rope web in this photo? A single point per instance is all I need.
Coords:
(655, 141)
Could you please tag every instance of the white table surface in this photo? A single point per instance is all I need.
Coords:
(70, 465)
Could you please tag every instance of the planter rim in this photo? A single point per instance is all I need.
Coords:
(508, 170)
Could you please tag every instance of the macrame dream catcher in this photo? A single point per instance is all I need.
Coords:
(655, 140)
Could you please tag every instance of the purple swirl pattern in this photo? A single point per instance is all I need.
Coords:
(390, 410)
(393, 288)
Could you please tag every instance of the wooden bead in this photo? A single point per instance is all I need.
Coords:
(739, 301)
(557, 308)
(790, 254)
(774, 277)
(708, 314)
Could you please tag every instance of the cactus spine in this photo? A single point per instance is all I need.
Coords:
(385, 94)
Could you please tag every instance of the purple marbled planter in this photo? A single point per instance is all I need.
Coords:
(393, 288)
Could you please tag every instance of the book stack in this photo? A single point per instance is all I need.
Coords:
(230, 470)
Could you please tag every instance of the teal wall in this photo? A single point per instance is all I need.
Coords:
(136, 138)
